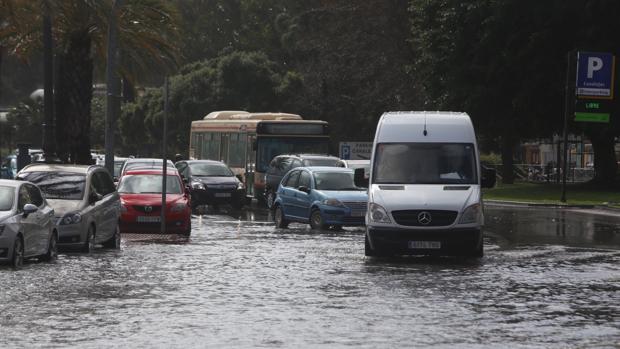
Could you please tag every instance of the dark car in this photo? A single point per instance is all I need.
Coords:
(212, 183)
(281, 164)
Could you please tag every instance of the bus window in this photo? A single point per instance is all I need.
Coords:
(224, 148)
(236, 150)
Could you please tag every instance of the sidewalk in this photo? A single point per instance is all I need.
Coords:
(601, 209)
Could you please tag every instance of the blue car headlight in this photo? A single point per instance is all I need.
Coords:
(332, 202)
(70, 218)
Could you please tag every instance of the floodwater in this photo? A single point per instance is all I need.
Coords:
(549, 278)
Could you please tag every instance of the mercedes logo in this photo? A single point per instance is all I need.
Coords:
(148, 208)
(424, 218)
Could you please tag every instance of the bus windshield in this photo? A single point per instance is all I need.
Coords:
(425, 163)
(270, 147)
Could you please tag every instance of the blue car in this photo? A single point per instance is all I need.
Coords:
(324, 197)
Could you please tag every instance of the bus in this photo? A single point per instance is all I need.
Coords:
(247, 142)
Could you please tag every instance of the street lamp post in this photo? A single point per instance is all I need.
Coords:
(113, 87)
(49, 146)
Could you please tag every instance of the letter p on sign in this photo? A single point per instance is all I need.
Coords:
(594, 64)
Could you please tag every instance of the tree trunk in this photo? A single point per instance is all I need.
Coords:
(605, 165)
(507, 160)
(73, 94)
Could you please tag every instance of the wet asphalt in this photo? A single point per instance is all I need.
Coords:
(550, 278)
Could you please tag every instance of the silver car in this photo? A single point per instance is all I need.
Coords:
(85, 200)
(26, 224)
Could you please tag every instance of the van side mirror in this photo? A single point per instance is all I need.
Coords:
(489, 177)
(359, 178)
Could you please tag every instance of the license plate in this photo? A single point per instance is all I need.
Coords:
(222, 195)
(358, 213)
(148, 219)
(430, 245)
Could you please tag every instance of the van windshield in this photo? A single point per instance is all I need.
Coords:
(425, 163)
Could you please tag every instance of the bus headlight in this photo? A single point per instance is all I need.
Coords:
(378, 214)
(471, 214)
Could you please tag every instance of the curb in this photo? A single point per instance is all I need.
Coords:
(537, 204)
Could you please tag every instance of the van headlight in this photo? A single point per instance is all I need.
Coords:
(472, 214)
(378, 214)
(70, 218)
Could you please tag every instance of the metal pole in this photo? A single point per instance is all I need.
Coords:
(165, 162)
(568, 98)
(48, 143)
(113, 87)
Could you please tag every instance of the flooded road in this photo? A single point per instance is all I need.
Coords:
(548, 279)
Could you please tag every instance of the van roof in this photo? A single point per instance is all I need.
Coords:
(440, 126)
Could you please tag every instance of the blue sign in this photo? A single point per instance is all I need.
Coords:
(595, 75)
(345, 151)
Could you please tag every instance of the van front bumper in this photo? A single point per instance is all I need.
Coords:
(391, 240)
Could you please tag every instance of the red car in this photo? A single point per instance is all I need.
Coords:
(140, 192)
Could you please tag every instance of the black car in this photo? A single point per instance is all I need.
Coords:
(281, 164)
(211, 183)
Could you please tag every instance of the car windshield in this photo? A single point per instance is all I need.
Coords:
(270, 147)
(210, 170)
(58, 185)
(334, 181)
(323, 162)
(7, 195)
(425, 163)
(146, 164)
(118, 165)
(149, 184)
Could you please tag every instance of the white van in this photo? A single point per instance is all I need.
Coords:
(424, 195)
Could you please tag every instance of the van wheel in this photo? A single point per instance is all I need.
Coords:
(368, 251)
(278, 215)
(478, 251)
(316, 220)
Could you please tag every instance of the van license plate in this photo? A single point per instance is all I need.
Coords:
(430, 245)
(222, 195)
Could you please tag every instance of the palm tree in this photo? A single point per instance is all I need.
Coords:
(148, 37)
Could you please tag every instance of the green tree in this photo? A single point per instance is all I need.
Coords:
(235, 81)
(148, 34)
(25, 120)
(504, 62)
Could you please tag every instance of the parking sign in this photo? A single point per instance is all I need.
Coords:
(595, 75)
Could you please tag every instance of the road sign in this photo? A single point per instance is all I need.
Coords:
(355, 150)
(595, 75)
(592, 110)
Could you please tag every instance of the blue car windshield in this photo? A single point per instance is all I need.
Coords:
(7, 195)
(334, 181)
(57, 185)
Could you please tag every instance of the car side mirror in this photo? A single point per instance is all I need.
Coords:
(488, 179)
(94, 197)
(359, 178)
(304, 189)
(29, 208)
